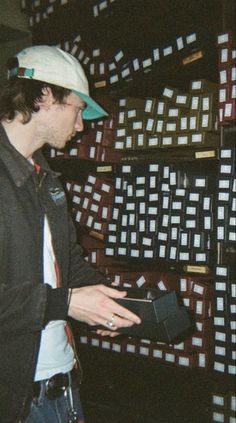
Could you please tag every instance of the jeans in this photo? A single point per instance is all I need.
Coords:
(44, 410)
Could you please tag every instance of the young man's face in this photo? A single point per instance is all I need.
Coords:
(62, 121)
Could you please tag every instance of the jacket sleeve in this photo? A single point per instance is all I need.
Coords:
(29, 307)
(22, 308)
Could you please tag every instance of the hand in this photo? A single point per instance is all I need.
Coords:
(110, 333)
(95, 305)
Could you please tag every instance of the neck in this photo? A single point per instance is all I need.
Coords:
(21, 136)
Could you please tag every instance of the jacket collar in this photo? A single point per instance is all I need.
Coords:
(18, 166)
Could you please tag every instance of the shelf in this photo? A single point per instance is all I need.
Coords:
(131, 389)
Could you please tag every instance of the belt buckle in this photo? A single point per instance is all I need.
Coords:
(56, 385)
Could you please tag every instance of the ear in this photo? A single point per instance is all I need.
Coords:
(47, 99)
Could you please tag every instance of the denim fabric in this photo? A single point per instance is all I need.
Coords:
(55, 411)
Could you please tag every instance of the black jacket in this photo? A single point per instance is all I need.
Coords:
(26, 302)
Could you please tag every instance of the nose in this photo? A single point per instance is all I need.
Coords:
(79, 124)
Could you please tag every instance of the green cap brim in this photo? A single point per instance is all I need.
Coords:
(93, 109)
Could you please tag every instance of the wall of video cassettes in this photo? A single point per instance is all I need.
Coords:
(161, 211)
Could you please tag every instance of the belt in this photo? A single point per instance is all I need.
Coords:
(55, 386)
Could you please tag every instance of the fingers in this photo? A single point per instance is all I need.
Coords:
(117, 309)
(111, 292)
(124, 317)
(96, 305)
(107, 333)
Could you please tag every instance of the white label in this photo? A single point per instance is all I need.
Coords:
(142, 225)
(233, 74)
(219, 321)
(148, 253)
(123, 236)
(205, 121)
(182, 139)
(191, 210)
(222, 95)
(200, 182)
(197, 137)
(167, 141)
(228, 110)
(122, 251)
(152, 226)
(220, 286)
(201, 257)
(156, 54)
(175, 219)
(220, 336)
(202, 360)
(160, 107)
(218, 417)
(136, 64)
(167, 51)
(142, 208)
(184, 239)
(168, 92)
(125, 72)
(173, 112)
(159, 125)
(199, 307)
(183, 123)
(223, 77)
(220, 351)
(165, 220)
(173, 253)
(134, 253)
(110, 252)
(183, 361)
(148, 106)
(152, 211)
(162, 236)
(162, 251)
(180, 43)
(191, 38)
(197, 342)
(153, 141)
(193, 123)
(197, 240)
(119, 56)
(140, 193)
(153, 197)
(190, 224)
(133, 237)
(207, 222)
(153, 167)
(223, 196)
(130, 348)
(196, 85)
(150, 124)
(147, 241)
(195, 103)
(171, 126)
(137, 125)
(157, 353)
(184, 256)
(174, 233)
(170, 357)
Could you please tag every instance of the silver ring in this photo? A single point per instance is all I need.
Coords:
(110, 323)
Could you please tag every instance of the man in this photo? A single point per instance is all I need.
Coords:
(43, 278)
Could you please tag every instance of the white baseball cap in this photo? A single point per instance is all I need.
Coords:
(55, 66)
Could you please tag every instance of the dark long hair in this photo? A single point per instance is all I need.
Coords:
(21, 95)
